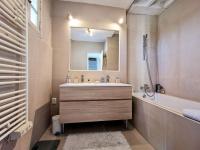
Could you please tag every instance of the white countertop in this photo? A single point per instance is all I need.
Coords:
(94, 84)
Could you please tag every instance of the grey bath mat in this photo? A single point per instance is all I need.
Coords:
(46, 145)
(96, 141)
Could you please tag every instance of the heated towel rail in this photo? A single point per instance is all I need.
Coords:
(13, 66)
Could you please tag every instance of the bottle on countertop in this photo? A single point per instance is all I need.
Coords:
(68, 79)
(76, 80)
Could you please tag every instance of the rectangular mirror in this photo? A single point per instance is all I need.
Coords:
(94, 49)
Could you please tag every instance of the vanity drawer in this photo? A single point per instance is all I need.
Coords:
(88, 111)
(95, 93)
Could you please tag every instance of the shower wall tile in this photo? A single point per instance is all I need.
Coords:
(178, 49)
(138, 25)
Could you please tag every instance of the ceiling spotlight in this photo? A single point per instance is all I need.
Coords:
(89, 31)
(121, 21)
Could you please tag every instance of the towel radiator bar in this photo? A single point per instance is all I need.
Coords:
(13, 66)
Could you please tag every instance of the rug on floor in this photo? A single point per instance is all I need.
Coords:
(96, 141)
(46, 145)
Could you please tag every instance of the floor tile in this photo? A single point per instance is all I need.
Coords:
(135, 140)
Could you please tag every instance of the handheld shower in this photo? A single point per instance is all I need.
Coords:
(146, 59)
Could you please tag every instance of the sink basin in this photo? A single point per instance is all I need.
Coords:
(93, 84)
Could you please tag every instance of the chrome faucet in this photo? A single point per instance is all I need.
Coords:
(107, 78)
(82, 78)
(145, 87)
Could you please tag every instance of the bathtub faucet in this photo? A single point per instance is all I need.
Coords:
(145, 87)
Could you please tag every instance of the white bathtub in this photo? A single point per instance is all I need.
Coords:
(161, 122)
(171, 103)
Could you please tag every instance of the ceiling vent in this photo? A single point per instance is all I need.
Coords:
(150, 7)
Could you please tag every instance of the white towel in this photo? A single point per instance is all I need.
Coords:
(192, 114)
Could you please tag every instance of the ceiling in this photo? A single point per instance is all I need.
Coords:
(147, 7)
(81, 34)
(113, 3)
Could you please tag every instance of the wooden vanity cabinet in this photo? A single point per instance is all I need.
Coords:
(99, 103)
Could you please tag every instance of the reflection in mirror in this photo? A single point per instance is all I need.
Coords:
(94, 50)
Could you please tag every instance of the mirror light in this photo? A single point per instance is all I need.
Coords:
(121, 21)
(72, 21)
(70, 17)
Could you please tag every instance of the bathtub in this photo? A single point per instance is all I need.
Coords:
(160, 121)
(170, 103)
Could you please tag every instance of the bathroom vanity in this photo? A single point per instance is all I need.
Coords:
(89, 102)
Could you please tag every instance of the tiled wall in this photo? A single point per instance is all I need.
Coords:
(93, 16)
(179, 49)
(138, 25)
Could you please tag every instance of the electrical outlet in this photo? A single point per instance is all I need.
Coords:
(54, 101)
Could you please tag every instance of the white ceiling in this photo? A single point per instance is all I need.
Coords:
(113, 3)
(148, 7)
(80, 34)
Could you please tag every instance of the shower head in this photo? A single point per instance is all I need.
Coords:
(145, 36)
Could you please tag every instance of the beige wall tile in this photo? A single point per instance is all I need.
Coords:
(178, 49)
(138, 25)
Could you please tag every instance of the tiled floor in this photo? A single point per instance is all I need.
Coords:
(135, 140)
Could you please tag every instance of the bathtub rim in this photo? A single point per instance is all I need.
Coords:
(163, 107)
